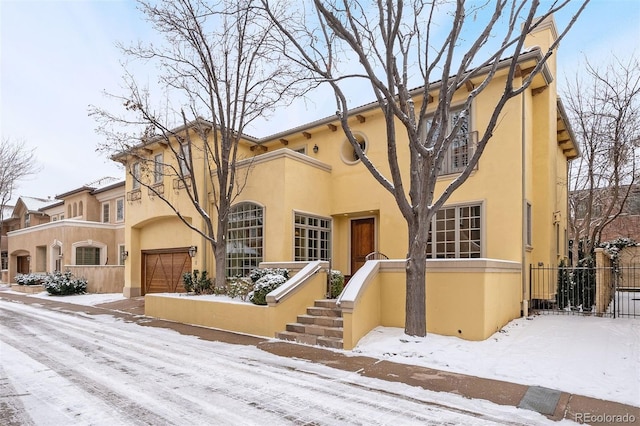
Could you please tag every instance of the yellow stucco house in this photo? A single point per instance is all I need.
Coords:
(81, 230)
(308, 200)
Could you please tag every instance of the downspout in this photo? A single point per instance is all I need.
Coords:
(523, 273)
(206, 177)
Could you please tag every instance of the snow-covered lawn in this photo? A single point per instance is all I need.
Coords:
(597, 357)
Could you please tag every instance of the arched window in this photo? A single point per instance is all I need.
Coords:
(80, 208)
(69, 215)
(75, 209)
(89, 252)
(244, 238)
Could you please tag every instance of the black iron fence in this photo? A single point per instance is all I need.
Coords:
(599, 291)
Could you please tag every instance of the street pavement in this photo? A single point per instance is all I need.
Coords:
(553, 403)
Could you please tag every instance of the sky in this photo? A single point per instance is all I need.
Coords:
(59, 57)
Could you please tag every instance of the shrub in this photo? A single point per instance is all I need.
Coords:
(239, 287)
(336, 285)
(265, 285)
(256, 274)
(30, 279)
(196, 283)
(62, 284)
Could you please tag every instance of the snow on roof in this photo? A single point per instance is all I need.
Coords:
(103, 182)
(33, 203)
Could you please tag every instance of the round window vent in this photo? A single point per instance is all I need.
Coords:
(348, 153)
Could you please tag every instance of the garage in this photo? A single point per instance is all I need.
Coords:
(162, 270)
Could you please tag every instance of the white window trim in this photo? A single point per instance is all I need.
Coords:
(528, 226)
(483, 225)
(158, 168)
(314, 215)
(136, 175)
(264, 228)
(89, 243)
(472, 142)
(120, 199)
(102, 206)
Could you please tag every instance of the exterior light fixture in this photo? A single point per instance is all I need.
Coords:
(315, 148)
(192, 251)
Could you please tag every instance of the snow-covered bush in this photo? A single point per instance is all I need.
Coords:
(265, 285)
(256, 274)
(197, 283)
(62, 284)
(30, 279)
(337, 284)
(239, 287)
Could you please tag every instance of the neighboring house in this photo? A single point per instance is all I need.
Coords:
(308, 197)
(626, 224)
(25, 214)
(6, 225)
(81, 230)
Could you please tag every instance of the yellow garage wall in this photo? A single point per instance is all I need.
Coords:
(238, 316)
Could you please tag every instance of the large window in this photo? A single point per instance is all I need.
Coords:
(461, 148)
(135, 171)
(185, 160)
(244, 239)
(120, 210)
(87, 255)
(312, 238)
(158, 168)
(456, 232)
(106, 212)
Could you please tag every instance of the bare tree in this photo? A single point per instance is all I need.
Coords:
(218, 66)
(393, 42)
(604, 106)
(16, 163)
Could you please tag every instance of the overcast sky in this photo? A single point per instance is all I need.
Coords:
(58, 57)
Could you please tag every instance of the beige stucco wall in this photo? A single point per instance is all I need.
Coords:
(100, 279)
(66, 233)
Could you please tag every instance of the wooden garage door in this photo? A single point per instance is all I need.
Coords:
(162, 271)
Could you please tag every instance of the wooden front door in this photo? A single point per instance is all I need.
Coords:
(23, 264)
(162, 271)
(363, 241)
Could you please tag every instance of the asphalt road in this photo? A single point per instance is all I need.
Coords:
(67, 368)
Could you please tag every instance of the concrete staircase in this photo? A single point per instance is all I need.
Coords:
(321, 325)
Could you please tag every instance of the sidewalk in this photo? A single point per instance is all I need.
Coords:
(554, 404)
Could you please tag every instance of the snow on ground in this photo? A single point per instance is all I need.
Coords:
(100, 370)
(597, 357)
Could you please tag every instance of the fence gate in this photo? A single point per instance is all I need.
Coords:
(598, 291)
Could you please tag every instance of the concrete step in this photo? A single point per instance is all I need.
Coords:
(320, 320)
(324, 312)
(328, 342)
(325, 303)
(316, 330)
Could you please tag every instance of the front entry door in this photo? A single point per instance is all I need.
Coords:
(363, 241)
(23, 264)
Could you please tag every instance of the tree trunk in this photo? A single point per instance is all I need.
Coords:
(220, 253)
(416, 298)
